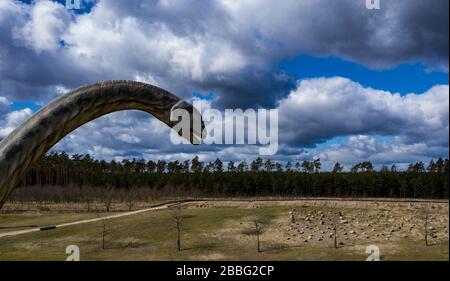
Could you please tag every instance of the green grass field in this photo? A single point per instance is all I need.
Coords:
(28, 220)
(208, 234)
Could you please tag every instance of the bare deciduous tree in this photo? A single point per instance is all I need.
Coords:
(178, 220)
(131, 198)
(87, 198)
(425, 225)
(258, 227)
(336, 221)
(104, 231)
(107, 199)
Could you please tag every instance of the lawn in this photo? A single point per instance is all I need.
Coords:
(216, 233)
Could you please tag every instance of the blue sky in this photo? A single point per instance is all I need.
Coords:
(85, 6)
(405, 78)
(350, 85)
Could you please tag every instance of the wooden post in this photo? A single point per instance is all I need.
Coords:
(179, 236)
(426, 229)
(103, 235)
(259, 248)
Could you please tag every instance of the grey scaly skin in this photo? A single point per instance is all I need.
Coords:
(26, 144)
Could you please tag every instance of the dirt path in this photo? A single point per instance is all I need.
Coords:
(154, 208)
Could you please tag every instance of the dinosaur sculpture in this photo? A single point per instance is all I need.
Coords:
(26, 144)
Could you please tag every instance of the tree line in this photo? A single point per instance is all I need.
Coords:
(261, 177)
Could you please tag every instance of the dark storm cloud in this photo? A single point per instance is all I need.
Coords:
(401, 31)
(226, 46)
(249, 89)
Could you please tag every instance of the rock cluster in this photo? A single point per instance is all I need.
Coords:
(313, 225)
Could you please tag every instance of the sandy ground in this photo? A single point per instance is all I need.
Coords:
(357, 222)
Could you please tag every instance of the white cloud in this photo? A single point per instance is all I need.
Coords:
(322, 108)
(48, 22)
(9, 120)
(138, 44)
(128, 139)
